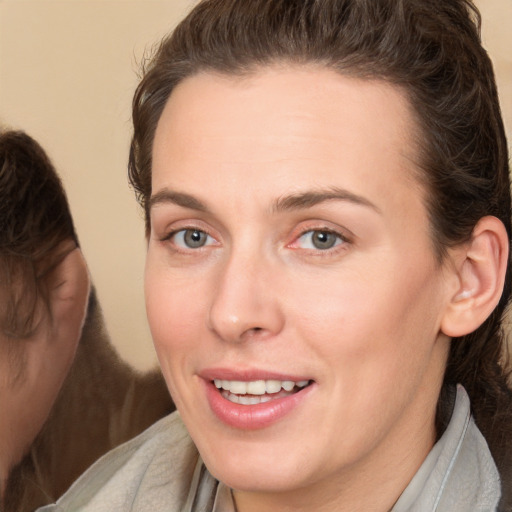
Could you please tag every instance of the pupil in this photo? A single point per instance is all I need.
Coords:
(195, 238)
(323, 240)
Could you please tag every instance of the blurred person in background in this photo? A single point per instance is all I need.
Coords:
(66, 397)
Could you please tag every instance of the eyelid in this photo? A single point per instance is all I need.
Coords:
(173, 232)
(181, 233)
(166, 228)
(329, 231)
(346, 237)
(174, 228)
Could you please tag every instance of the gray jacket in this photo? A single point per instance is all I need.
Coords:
(160, 470)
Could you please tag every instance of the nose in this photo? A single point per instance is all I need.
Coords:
(246, 302)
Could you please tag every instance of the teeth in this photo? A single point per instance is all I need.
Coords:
(238, 387)
(257, 387)
(245, 400)
(273, 386)
(288, 385)
(234, 398)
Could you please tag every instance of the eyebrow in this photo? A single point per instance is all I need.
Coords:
(178, 198)
(298, 201)
(304, 200)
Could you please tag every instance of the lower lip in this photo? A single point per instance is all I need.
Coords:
(252, 417)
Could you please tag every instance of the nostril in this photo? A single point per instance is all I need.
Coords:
(251, 332)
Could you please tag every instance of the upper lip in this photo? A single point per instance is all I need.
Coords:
(249, 375)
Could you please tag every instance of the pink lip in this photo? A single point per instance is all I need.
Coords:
(247, 375)
(251, 417)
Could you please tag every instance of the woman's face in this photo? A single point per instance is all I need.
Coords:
(290, 255)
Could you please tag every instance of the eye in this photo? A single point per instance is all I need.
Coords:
(319, 240)
(191, 238)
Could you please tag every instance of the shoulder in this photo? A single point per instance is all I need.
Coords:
(144, 474)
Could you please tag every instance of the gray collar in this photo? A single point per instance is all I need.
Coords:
(459, 474)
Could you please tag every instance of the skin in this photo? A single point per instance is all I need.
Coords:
(48, 355)
(362, 319)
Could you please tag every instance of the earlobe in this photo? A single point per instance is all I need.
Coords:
(480, 268)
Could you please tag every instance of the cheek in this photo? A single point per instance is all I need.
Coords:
(172, 316)
(375, 340)
(175, 312)
(372, 322)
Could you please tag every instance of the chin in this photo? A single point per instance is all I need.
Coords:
(261, 480)
(257, 465)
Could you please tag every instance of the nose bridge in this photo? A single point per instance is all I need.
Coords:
(244, 300)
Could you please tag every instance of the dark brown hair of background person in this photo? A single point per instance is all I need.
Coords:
(103, 401)
(431, 50)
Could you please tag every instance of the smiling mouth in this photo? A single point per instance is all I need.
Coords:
(258, 391)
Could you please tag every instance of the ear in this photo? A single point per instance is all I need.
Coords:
(68, 290)
(479, 266)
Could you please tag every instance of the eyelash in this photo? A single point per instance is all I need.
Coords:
(184, 231)
(182, 247)
(339, 244)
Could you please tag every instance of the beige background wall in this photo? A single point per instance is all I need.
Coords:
(67, 73)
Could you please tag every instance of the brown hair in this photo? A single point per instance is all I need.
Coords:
(34, 219)
(432, 50)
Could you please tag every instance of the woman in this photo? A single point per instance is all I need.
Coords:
(328, 219)
(66, 397)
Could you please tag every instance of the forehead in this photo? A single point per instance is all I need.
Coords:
(308, 118)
